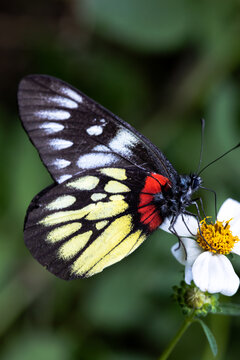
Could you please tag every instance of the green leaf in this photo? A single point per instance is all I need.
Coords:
(210, 337)
(230, 309)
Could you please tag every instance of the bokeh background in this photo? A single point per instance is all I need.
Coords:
(162, 66)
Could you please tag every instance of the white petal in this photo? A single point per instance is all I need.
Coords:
(187, 252)
(179, 253)
(188, 227)
(188, 274)
(235, 226)
(230, 209)
(236, 248)
(214, 273)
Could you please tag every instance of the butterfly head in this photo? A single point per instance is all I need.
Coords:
(188, 185)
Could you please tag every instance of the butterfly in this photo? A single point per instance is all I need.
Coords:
(112, 187)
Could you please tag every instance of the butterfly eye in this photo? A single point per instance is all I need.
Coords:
(196, 182)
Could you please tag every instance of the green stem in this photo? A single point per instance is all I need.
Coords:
(188, 321)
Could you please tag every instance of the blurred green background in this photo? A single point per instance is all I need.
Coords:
(162, 66)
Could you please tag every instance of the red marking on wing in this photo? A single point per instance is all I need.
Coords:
(149, 214)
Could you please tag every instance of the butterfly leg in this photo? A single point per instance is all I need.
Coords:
(194, 201)
(215, 198)
(173, 231)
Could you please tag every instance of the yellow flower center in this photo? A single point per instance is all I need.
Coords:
(217, 237)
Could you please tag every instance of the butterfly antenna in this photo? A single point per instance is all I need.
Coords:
(202, 140)
(218, 158)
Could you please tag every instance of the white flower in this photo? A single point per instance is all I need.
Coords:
(207, 265)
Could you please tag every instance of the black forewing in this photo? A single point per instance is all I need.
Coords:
(59, 221)
(73, 133)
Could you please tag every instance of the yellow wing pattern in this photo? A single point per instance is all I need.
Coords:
(78, 228)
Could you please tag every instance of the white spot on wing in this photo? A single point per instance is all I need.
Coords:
(101, 148)
(61, 163)
(63, 178)
(95, 130)
(62, 101)
(72, 94)
(98, 196)
(52, 114)
(122, 142)
(51, 127)
(100, 224)
(61, 202)
(87, 182)
(90, 161)
(59, 144)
